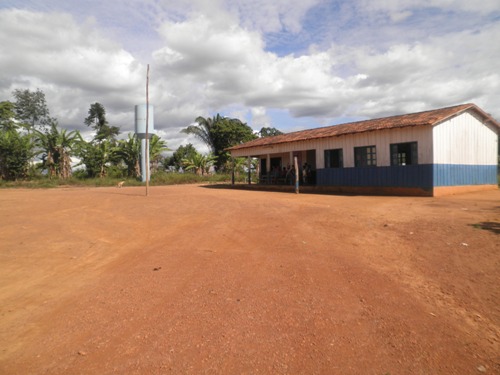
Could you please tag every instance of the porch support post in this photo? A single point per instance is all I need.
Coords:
(232, 170)
(296, 165)
(249, 170)
(257, 172)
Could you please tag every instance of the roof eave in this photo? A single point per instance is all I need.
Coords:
(243, 147)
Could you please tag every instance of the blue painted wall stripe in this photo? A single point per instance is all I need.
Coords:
(423, 176)
(460, 174)
(396, 176)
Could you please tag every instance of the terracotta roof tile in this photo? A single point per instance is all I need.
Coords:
(427, 118)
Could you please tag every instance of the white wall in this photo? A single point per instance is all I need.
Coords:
(464, 139)
(381, 138)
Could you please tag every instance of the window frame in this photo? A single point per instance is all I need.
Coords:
(368, 156)
(408, 149)
(328, 158)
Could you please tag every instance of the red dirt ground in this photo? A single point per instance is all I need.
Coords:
(197, 280)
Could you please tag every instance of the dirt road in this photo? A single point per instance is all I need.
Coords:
(197, 280)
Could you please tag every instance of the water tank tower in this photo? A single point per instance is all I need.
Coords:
(140, 130)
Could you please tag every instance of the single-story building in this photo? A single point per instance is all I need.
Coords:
(442, 151)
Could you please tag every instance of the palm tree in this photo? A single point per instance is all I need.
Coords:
(199, 163)
(97, 156)
(66, 145)
(220, 133)
(203, 130)
(46, 143)
(105, 148)
(56, 149)
(156, 147)
(239, 165)
(129, 150)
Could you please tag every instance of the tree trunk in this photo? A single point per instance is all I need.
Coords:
(50, 165)
(65, 167)
(137, 169)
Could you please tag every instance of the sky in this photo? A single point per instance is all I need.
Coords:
(288, 64)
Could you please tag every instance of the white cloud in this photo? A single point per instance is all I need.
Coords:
(260, 118)
(73, 64)
(432, 75)
(213, 58)
(228, 65)
(53, 48)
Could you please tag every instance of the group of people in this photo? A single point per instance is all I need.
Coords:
(287, 174)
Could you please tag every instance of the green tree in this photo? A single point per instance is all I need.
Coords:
(219, 133)
(7, 116)
(100, 153)
(16, 147)
(97, 120)
(199, 163)
(56, 148)
(46, 148)
(156, 147)
(226, 133)
(67, 144)
(16, 151)
(203, 130)
(97, 157)
(31, 108)
(269, 132)
(182, 152)
(129, 151)
(238, 164)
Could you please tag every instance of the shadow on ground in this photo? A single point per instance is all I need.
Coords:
(488, 225)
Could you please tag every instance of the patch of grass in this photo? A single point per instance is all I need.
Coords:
(164, 178)
(46, 183)
(158, 179)
(37, 183)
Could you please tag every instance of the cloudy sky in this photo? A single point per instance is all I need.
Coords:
(289, 64)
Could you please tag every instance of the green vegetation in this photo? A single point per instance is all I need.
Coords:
(33, 147)
(36, 153)
(269, 132)
(158, 179)
(164, 178)
(182, 153)
(220, 133)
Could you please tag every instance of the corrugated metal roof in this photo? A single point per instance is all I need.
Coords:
(426, 118)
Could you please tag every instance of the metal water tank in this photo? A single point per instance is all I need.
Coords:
(140, 120)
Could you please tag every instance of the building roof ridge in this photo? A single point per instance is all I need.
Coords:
(423, 118)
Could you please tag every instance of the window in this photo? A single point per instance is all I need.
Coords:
(334, 158)
(404, 153)
(365, 156)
